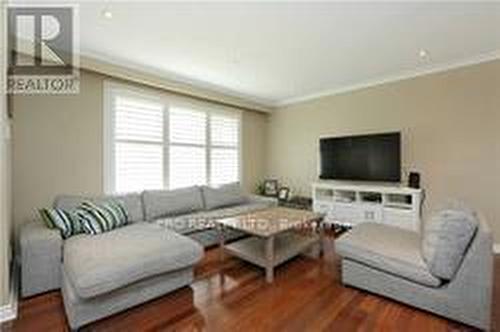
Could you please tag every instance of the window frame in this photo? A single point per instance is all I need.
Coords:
(168, 101)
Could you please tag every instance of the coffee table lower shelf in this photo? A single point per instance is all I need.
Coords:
(269, 252)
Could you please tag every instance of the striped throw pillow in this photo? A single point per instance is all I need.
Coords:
(97, 218)
(67, 223)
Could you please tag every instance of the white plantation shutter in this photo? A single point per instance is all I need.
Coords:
(224, 166)
(187, 126)
(152, 144)
(224, 148)
(224, 130)
(187, 166)
(188, 137)
(138, 144)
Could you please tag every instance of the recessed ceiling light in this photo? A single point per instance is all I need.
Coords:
(423, 53)
(106, 13)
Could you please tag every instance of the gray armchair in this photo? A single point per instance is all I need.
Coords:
(387, 260)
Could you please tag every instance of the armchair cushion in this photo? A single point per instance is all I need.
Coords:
(446, 237)
(389, 249)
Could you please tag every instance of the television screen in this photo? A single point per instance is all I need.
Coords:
(364, 158)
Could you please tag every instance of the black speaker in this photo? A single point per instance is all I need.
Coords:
(414, 180)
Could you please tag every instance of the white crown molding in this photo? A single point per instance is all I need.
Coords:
(177, 82)
(180, 83)
(495, 55)
(171, 81)
(9, 311)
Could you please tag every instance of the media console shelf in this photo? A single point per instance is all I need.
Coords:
(348, 203)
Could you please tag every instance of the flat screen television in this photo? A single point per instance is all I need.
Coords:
(375, 157)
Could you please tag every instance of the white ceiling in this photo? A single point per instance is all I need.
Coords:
(282, 52)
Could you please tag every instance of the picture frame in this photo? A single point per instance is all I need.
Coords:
(283, 194)
(271, 188)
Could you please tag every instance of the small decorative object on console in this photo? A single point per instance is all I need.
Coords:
(283, 194)
(271, 188)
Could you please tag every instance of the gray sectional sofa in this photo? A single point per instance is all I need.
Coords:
(103, 274)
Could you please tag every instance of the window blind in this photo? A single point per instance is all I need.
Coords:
(138, 144)
(224, 148)
(155, 143)
(188, 136)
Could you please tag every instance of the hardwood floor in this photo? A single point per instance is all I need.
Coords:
(306, 296)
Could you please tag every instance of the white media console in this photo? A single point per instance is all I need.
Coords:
(353, 203)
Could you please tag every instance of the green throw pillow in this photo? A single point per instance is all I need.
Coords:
(67, 223)
(97, 218)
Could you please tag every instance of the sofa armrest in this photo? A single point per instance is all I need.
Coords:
(473, 283)
(272, 201)
(41, 256)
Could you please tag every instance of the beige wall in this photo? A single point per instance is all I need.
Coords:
(254, 138)
(58, 146)
(451, 133)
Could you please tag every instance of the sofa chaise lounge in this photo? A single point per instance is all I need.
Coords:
(103, 274)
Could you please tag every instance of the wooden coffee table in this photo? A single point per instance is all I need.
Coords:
(277, 235)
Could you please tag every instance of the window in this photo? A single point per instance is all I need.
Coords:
(224, 149)
(188, 146)
(154, 142)
(137, 144)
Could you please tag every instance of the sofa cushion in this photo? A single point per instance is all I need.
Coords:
(446, 237)
(66, 222)
(99, 264)
(389, 249)
(132, 203)
(96, 218)
(226, 195)
(193, 222)
(161, 203)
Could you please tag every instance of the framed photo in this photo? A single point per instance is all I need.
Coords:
(271, 188)
(283, 193)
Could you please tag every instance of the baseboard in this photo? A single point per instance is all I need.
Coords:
(496, 248)
(9, 311)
